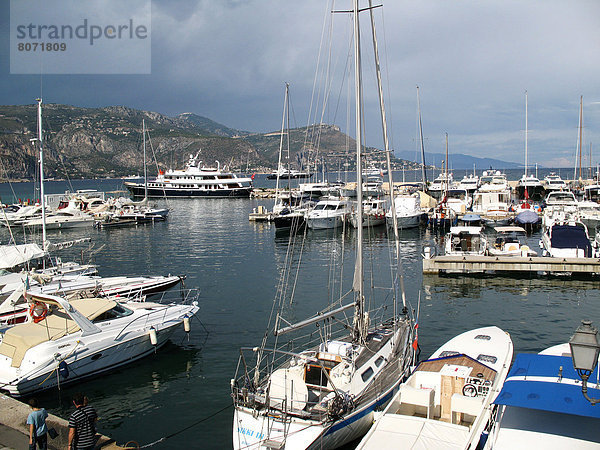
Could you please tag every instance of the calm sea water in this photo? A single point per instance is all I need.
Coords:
(182, 392)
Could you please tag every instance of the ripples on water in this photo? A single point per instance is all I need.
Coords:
(236, 264)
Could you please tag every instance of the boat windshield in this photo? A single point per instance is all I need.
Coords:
(113, 313)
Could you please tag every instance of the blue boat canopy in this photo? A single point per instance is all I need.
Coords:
(526, 217)
(533, 382)
(569, 236)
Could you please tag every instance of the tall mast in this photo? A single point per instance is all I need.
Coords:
(285, 104)
(423, 171)
(387, 152)
(145, 168)
(526, 129)
(359, 317)
(580, 132)
(447, 180)
(42, 194)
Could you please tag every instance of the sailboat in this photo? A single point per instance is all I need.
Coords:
(305, 393)
(529, 186)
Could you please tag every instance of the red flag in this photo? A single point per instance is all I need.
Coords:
(252, 177)
(415, 343)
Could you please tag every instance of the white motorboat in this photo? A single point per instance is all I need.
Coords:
(493, 181)
(560, 205)
(300, 389)
(554, 182)
(509, 241)
(67, 341)
(373, 212)
(20, 213)
(328, 213)
(541, 405)
(533, 186)
(469, 183)
(13, 305)
(465, 240)
(409, 213)
(71, 216)
(196, 180)
(440, 185)
(446, 402)
(493, 207)
(458, 200)
(567, 239)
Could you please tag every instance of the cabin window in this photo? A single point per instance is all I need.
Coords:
(367, 374)
(379, 361)
(447, 353)
(483, 337)
(315, 375)
(487, 358)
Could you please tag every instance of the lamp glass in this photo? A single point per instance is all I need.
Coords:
(585, 347)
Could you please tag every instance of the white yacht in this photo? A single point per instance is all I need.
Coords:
(196, 180)
(510, 241)
(567, 239)
(529, 187)
(493, 207)
(446, 402)
(67, 341)
(328, 213)
(469, 183)
(465, 240)
(560, 205)
(493, 181)
(554, 182)
(440, 184)
(374, 212)
(69, 216)
(409, 213)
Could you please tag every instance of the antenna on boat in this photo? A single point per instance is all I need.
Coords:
(423, 171)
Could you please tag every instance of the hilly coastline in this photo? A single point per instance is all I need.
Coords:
(107, 142)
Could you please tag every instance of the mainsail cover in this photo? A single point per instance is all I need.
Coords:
(13, 255)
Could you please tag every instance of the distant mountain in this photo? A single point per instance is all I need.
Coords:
(100, 142)
(459, 161)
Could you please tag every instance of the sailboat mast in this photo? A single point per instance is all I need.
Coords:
(145, 168)
(285, 102)
(42, 194)
(386, 146)
(423, 171)
(358, 269)
(526, 130)
(580, 132)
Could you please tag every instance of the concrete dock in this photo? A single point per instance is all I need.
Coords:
(511, 264)
(14, 431)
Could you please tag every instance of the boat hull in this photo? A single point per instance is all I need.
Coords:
(137, 190)
(85, 364)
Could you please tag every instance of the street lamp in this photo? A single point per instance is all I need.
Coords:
(584, 351)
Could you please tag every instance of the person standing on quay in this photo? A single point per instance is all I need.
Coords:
(37, 426)
(82, 425)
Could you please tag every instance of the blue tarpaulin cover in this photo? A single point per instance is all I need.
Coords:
(568, 236)
(527, 217)
(533, 383)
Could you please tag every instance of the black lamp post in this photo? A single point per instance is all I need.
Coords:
(584, 351)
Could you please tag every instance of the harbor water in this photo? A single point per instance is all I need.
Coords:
(180, 397)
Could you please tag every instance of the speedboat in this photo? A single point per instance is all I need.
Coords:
(408, 211)
(328, 213)
(66, 341)
(529, 187)
(373, 212)
(554, 182)
(463, 241)
(567, 239)
(446, 402)
(13, 304)
(509, 242)
(541, 405)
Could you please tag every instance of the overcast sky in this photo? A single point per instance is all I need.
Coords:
(473, 60)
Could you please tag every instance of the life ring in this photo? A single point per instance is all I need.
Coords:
(38, 311)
